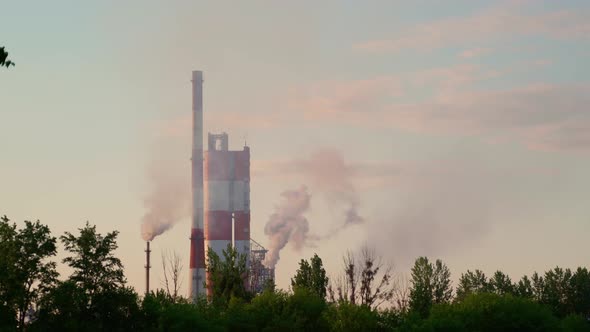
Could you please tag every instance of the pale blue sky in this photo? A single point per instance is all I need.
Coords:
(464, 118)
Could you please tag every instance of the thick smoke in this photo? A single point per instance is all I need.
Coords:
(168, 198)
(287, 224)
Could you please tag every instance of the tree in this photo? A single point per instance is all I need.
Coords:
(401, 295)
(4, 58)
(172, 267)
(94, 297)
(430, 285)
(8, 258)
(524, 288)
(580, 292)
(421, 291)
(538, 287)
(95, 266)
(26, 273)
(501, 284)
(227, 277)
(367, 270)
(472, 283)
(442, 290)
(556, 290)
(311, 276)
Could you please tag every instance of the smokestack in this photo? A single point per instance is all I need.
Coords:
(147, 268)
(197, 254)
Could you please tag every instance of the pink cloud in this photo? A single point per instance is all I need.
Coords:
(540, 116)
(328, 98)
(488, 25)
(474, 52)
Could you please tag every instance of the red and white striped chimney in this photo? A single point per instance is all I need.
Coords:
(227, 197)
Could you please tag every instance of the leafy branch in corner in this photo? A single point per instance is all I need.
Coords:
(4, 58)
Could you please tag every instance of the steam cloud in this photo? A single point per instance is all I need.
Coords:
(168, 199)
(327, 172)
(287, 224)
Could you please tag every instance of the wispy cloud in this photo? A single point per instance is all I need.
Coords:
(538, 115)
(490, 25)
(474, 52)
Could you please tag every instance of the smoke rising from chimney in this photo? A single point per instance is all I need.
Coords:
(327, 173)
(287, 224)
(168, 198)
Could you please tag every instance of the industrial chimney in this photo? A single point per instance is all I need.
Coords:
(147, 268)
(197, 254)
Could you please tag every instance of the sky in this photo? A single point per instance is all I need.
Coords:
(459, 130)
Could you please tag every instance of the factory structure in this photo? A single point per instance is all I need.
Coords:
(220, 203)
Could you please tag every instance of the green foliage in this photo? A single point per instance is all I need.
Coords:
(575, 323)
(501, 284)
(279, 311)
(346, 316)
(491, 312)
(431, 284)
(95, 266)
(441, 283)
(306, 308)
(579, 292)
(556, 290)
(472, 283)
(524, 288)
(311, 276)
(94, 298)
(4, 58)
(268, 309)
(185, 317)
(228, 276)
(25, 273)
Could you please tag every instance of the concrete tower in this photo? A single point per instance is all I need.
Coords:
(197, 255)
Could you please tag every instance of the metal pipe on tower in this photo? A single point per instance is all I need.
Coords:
(197, 254)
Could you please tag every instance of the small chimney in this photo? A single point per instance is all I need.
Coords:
(147, 268)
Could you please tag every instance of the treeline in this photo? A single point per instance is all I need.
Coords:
(365, 296)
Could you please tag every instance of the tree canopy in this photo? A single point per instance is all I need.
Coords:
(311, 276)
(95, 296)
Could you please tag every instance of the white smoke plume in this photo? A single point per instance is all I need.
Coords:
(168, 198)
(287, 224)
(326, 171)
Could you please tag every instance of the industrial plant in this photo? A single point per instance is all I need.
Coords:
(220, 203)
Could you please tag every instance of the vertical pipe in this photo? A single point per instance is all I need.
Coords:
(147, 268)
(197, 253)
